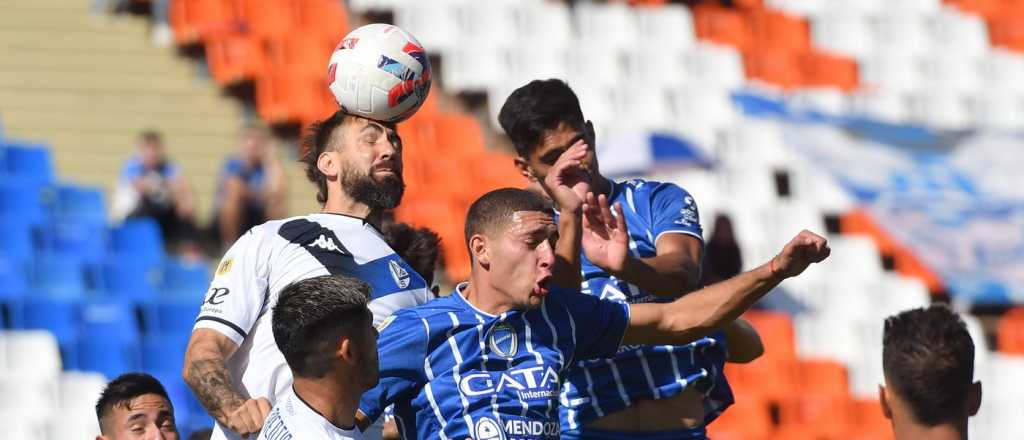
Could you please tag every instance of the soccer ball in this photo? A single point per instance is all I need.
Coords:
(380, 72)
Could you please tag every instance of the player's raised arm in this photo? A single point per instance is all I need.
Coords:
(229, 310)
(702, 312)
(567, 185)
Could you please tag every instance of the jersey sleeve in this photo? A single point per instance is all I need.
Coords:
(238, 291)
(673, 210)
(401, 349)
(600, 324)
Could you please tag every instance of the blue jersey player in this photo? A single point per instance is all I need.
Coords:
(671, 391)
(488, 361)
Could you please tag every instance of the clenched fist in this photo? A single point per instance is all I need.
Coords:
(804, 249)
(248, 418)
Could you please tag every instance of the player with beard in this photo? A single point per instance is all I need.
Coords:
(232, 363)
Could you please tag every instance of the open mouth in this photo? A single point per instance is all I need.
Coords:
(543, 286)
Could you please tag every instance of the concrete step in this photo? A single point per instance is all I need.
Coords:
(60, 20)
(61, 6)
(85, 81)
(155, 105)
(33, 60)
(124, 40)
(150, 104)
(55, 120)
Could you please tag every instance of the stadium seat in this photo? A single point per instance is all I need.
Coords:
(546, 24)
(958, 33)
(952, 72)
(165, 353)
(609, 25)
(25, 198)
(822, 376)
(57, 274)
(327, 18)
(173, 317)
(139, 239)
(491, 24)
(666, 27)
(900, 293)
(79, 389)
(283, 98)
(31, 395)
(855, 257)
(435, 25)
(997, 110)
(903, 32)
(81, 204)
(942, 109)
(16, 240)
(31, 163)
(870, 421)
(1010, 332)
(111, 320)
(842, 34)
(111, 358)
(725, 26)
(127, 278)
(79, 423)
(61, 316)
(750, 417)
(85, 240)
(234, 58)
(31, 353)
(891, 107)
(808, 411)
(268, 18)
(193, 20)
(23, 425)
(185, 280)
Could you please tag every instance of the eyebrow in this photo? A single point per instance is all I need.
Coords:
(373, 126)
(136, 416)
(557, 151)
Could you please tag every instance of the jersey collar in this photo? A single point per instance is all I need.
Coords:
(313, 412)
(458, 295)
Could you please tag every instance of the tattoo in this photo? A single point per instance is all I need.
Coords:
(211, 383)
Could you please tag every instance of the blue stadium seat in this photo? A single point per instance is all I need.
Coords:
(13, 287)
(60, 316)
(29, 162)
(173, 318)
(86, 240)
(15, 236)
(112, 358)
(185, 280)
(59, 275)
(81, 204)
(26, 198)
(138, 238)
(163, 353)
(188, 413)
(127, 277)
(111, 320)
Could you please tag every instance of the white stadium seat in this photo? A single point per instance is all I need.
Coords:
(842, 33)
(492, 23)
(902, 32)
(883, 105)
(854, 257)
(28, 394)
(32, 353)
(597, 65)
(529, 63)
(643, 107)
(80, 390)
(1001, 71)
(941, 109)
(435, 24)
(900, 293)
(657, 66)
(957, 32)
(891, 72)
(718, 66)
(943, 71)
(546, 24)
(73, 425)
(802, 8)
(998, 110)
(24, 426)
(472, 68)
(981, 347)
(666, 27)
(610, 25)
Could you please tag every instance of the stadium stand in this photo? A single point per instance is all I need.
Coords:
(781, 114)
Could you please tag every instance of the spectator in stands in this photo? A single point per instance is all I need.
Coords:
(722, 258)
(928, 360)
(420, 247)
(324, 329)
(153, 186)
(135, 406)
(251, 186)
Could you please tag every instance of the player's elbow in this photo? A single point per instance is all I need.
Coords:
(746, 352)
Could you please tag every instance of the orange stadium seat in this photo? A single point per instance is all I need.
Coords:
(1006, 31)
(778, 67)
(749, 418)
(905, 261)
(1010, 332)
(984, 8)
(281, 98)
(459, 134)
(870, 424)
(325, 19)
(823, 376)
(269, 18)
(194, 20)
(722, 25)
(777, 30)
(826, 416)
(778, 361)
(821, 69)
(298, 53)
(234, 58)
(777, 333)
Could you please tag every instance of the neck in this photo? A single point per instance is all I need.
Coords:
(329, 397)
(342, 204)
(946, 431)
(485, 297)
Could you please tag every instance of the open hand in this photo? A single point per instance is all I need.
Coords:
(803, 250)
(568, 182)
(605, 238)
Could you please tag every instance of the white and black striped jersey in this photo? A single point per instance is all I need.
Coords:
(277, 253)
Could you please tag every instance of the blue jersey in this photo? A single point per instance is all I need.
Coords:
(595, 388)
(455, 372)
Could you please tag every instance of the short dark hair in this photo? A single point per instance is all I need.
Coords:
(121, 391)
(316, 141)
(535, 108)
(928, 358)
(420, 247)
(312, 314)
(151, 135)
(494, 209)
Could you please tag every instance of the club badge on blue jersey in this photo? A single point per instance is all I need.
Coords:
(400, 275)
(503, 341)
(488, 429)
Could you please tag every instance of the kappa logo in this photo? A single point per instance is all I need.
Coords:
(326, 243)
(503, 341)
(488, 429)
(399, 273)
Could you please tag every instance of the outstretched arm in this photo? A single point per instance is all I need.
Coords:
(207, 375)
(700, 313)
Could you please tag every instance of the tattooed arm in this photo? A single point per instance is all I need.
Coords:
(207, 374)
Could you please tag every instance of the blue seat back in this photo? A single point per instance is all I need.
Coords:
(175, 318)
(61, 316)
(15, 237)
(129, 278)
(138, 238)
(81, 204)
(30, 162)
(86, 240)
(110, 320)
(60, 275)
(185, 280)
(112, 358)
(25, 200)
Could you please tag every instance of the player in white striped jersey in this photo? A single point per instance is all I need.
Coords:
(325, 331)
(487, 361)
(232, 363)
(670, 391)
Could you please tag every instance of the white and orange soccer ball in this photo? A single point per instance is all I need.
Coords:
(380, 72)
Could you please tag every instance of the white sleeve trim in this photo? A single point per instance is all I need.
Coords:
(690, 233)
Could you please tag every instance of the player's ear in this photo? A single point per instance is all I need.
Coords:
(883, 398)
(974, 399)
(524, 168)
(345, 352)
(478, 249)
(328, 164)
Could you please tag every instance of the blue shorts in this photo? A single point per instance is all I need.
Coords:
(585, 433)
